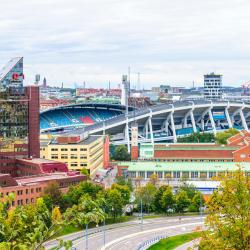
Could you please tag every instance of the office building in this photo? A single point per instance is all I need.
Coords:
(78, 151)
(212, 86)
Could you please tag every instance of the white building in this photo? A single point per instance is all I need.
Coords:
(212, 86)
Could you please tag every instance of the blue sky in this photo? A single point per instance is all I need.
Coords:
(173, 42)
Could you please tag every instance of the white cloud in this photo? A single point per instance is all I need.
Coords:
(95, 40)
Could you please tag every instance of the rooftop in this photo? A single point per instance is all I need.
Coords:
(185, 166)
(38, 160)
(41, 178)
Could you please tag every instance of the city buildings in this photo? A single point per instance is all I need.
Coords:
(22, 172)
(78, 151)
(212, 86)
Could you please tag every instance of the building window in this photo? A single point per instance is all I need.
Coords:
(176, 174)
(141, 174)
(64, 157)
(149, 173)
(73, 157)
(194, 174)
(132, 174)
(159, 174)
(73, 149)
(54, 149)
(64, 149)
(83, 149)
(203, 175)
(54, 156)
(211, 174)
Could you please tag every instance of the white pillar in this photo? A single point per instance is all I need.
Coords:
(212, 120)
(173, 126)
(243, 120)
(151, 130)
(228, 118)
(193, 121)
(127, 135)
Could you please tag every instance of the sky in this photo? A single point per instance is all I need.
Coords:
(168, 42)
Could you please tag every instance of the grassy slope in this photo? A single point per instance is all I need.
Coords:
(175, 241)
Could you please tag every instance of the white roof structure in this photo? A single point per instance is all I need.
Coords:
(7, 68)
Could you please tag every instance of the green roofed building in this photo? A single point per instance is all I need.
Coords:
(181, 170)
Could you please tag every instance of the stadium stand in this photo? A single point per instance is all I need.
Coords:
(75, 116)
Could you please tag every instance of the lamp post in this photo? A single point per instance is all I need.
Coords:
(141, 216)
(86, 236)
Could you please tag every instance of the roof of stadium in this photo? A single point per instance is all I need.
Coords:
(90, 105)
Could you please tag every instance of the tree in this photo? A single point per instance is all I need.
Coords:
(167, 200)
(28, 227)
(146, 194)
(114, 203)
(76, 192)
(52, 195)
(121, 180)
(189, 189)
(197, 202)
(228, 221)
(121, 153)
(182, 201)
(85, 172)
(221, 137)
(153, 179)
(124, 191)
(198, 137)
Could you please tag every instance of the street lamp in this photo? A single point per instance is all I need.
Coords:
(141, 216)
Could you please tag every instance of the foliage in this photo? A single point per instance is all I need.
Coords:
(85, 171)
(175, 241)
(167, 200)
(198, 137)
(221, 137)
(52, 195)
(146, 194)
(114, 203)
(85, 212)
(182, 201)
(121, 180)
(76, 192)
(28, 227)
(228, 221)
(121, 153)
(124, 191)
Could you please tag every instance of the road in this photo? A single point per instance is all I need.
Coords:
(129, 235)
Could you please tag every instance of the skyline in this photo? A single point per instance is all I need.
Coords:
(168, 43)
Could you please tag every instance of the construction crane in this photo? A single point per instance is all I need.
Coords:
(245, 89)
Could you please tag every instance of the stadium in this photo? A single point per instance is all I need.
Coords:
(163, 122)
(77, 116)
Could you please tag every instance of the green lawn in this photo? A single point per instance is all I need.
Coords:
(175, 241)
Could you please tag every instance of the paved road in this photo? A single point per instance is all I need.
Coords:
(190, 244)
(130, 235)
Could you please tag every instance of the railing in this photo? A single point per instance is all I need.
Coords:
(146, 244)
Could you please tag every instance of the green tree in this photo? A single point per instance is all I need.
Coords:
(167, 200)
(76, 192)
(85, 171)
(28, 227)
(52, 195)
(114, 202)
(146, 194)
(182, 201)
(228, 221)
(189, 189)
(121, 153)
(197, 202)
(124, 191)
(121, 180)
(157, 200)
(221, 137)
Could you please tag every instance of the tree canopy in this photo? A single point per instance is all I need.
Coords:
(228, 221)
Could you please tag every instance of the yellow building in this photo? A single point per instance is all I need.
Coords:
(77, 152)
